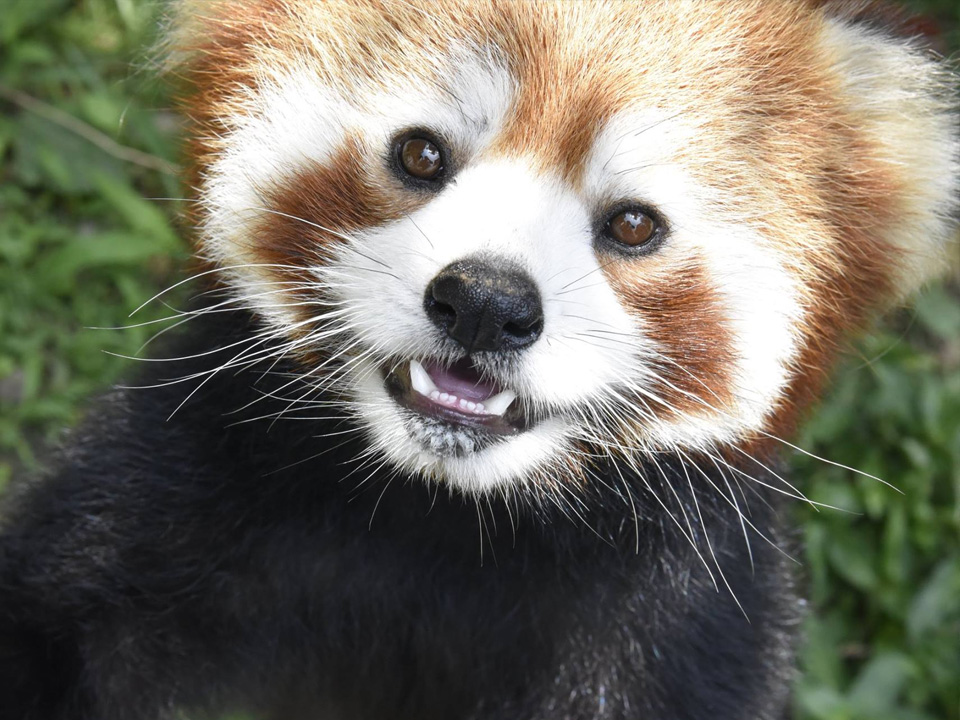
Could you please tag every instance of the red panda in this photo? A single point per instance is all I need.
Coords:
(517, 303)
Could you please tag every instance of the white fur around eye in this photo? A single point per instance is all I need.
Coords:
(293, 121)
(640, 156)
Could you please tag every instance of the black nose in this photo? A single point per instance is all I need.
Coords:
(484, 304)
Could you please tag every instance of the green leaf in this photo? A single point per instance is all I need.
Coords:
(141, 215)
(820, 651)
(47, 155)
(918, 452)
(853, 556)
(937, 602)
(939, 313)
(6, 136)
(102, 111)
(821, 703)
(19, 16)
(896, 547)
(96, 251)
(880, 683)
(31, 52)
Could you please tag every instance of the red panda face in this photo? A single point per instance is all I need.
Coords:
(510, 237)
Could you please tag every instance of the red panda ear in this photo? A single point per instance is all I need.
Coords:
(904, 101)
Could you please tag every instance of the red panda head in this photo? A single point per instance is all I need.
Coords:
(508, 237)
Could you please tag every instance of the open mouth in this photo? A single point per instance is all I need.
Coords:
(458, 396)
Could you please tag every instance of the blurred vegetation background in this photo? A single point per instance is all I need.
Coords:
(88, 147)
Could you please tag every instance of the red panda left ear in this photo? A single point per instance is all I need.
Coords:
(904, 99)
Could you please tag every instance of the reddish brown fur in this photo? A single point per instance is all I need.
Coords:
(683, 315)
(565, 98)
(835, 182)
(317, 208)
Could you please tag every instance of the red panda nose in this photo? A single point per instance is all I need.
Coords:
(485, 304)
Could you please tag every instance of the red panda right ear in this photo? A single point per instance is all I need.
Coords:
(904, 100)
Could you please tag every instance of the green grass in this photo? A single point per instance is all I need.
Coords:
(79, 244)
(83, 142)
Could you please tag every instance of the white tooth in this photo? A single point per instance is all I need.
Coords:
(480, 408)
(498, 404)
(434, 394)
(464, 404)
(420, 379)
(472, 406)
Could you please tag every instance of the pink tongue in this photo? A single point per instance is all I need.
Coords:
(460, 379)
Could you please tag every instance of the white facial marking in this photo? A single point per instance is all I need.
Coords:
(293, 122)
(502, 209)
(640, 156)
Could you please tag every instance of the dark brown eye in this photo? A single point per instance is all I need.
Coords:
(421, 158)
(632, 227)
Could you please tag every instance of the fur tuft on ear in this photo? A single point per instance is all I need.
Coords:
(905, 99)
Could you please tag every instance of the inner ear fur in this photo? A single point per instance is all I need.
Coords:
(903, 96)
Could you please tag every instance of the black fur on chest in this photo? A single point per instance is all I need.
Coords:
(209, 563)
